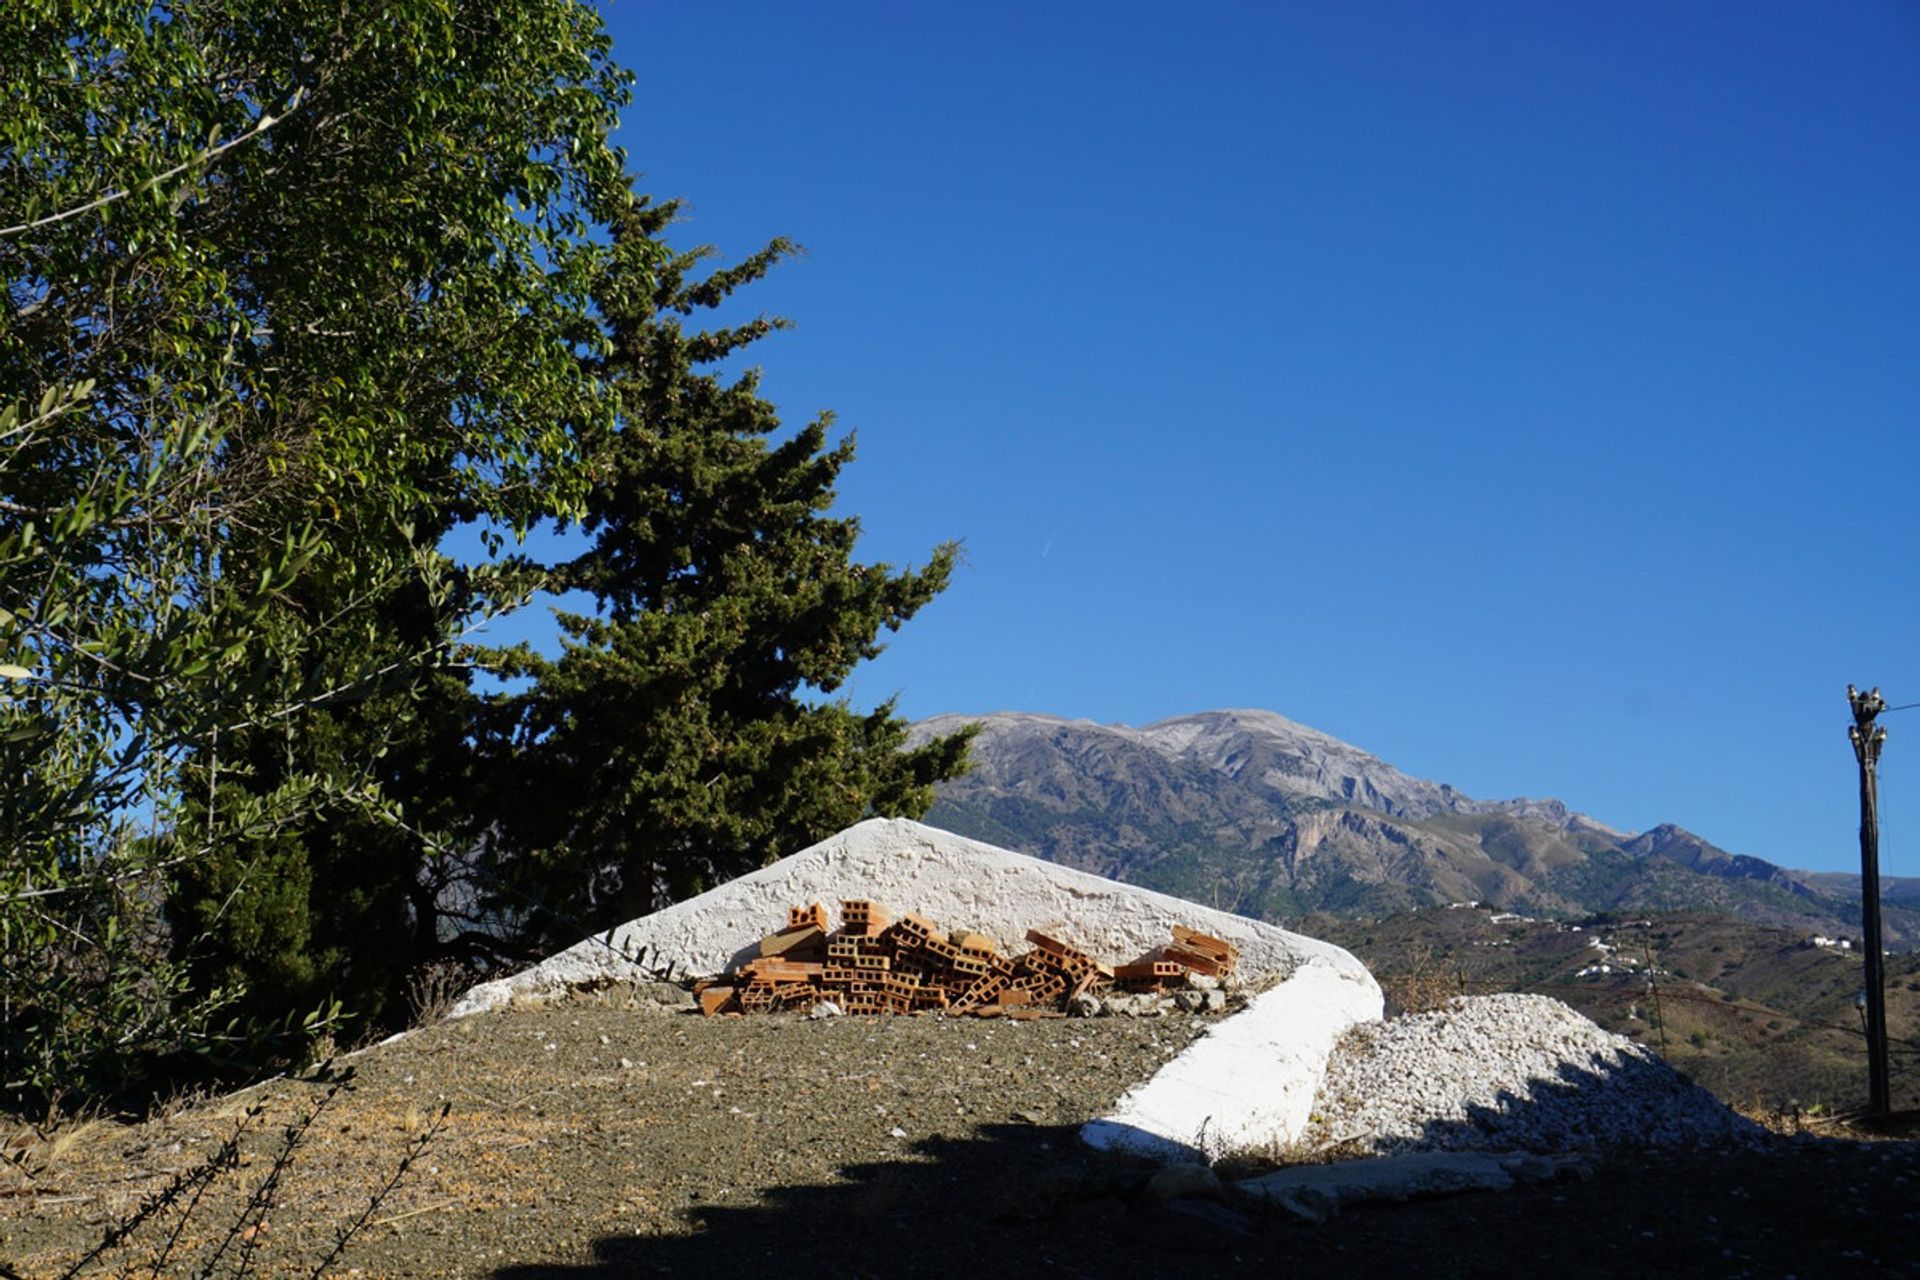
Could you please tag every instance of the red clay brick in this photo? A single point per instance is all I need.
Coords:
(801, 939)
(1197, 961)
(1147, 970)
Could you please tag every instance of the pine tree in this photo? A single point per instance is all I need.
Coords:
(687, 732)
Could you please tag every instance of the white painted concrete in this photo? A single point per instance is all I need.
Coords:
(956, 882)
(1250, 1082)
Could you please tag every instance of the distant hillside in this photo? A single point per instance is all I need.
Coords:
(1249, 811)
(1758, 1014)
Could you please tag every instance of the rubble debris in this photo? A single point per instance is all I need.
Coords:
(874, 964)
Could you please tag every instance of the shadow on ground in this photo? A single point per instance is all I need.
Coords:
(1611, 1102)
(1026, 1199)
(1018, 1200)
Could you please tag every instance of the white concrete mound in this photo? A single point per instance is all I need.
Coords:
(1250, 1082)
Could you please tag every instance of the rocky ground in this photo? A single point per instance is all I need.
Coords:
(602, 1137)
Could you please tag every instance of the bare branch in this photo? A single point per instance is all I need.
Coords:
(260, 126)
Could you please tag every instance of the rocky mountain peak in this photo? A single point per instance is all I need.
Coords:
(1291, 763)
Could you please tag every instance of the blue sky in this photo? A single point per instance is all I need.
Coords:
(1523, 392)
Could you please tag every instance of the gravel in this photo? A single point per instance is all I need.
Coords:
(1510, 1072)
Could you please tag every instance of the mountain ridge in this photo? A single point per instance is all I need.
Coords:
(1206, 735)
(1249, 809)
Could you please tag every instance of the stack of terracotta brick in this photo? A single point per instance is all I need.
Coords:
(874, 964)
(1189, 952)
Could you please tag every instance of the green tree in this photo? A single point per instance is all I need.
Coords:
(292, 286)
(368, 859)
(687, 732)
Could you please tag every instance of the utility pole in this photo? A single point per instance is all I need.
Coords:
(1867, 737)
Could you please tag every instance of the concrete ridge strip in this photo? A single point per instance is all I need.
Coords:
(1249, 1084)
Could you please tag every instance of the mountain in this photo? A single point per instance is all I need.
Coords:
(1253, 812)
(1677, 844)
(1900, 890)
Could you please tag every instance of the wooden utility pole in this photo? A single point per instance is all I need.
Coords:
(1867, 737)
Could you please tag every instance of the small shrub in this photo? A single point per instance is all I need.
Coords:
(1423, 984)
(434, 988)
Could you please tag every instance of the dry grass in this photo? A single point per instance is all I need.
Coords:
(1421, 982)
(31, 1153)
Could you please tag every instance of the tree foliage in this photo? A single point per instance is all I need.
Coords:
(290, 286)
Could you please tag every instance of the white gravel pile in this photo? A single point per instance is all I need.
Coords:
(1511, 1072)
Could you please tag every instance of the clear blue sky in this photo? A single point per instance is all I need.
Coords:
(1523, 392)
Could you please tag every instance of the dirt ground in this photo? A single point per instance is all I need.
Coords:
(593, 1139)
